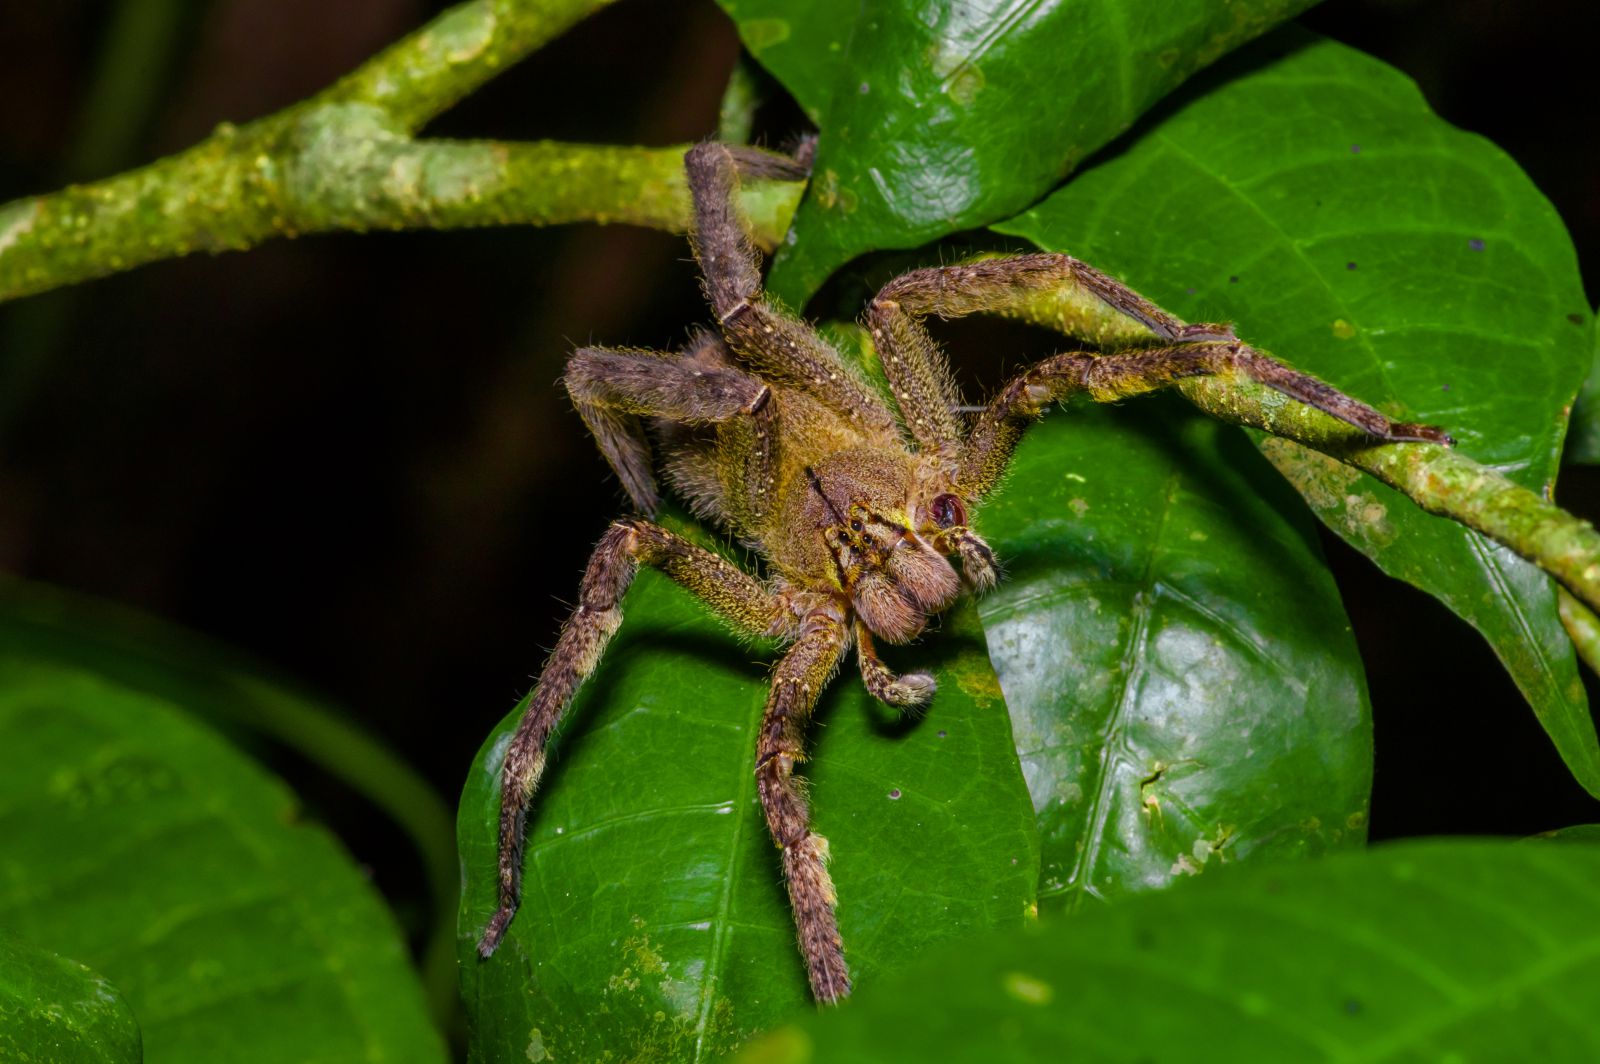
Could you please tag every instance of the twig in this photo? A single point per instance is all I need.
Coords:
(1440, 480)
(1582, 626)
(345, 160)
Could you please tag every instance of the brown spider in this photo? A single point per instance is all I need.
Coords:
(856, 503)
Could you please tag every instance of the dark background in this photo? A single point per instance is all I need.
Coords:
(349, 455)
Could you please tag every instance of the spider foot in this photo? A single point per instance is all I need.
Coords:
(496, 930)
(1405, 432)
(1206, 332)
(911, 692)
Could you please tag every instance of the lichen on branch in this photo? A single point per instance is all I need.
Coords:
(346, 160)
(1440, 480)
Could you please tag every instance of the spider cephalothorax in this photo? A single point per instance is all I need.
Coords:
(858, 502)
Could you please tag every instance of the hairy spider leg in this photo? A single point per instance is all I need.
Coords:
(918, 371)
(909, 691)
(1107, 378)
(626, 545)
(796, 684)
(612, 389)
(771, 342)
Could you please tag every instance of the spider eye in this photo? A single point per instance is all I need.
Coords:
(947, 511)
(856, 525)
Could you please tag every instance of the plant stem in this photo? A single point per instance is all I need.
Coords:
(1582, 626)
(1310, 446)
(343, 167)
(737, 113)
(423, 74)
(345, 160)
(1440, 480)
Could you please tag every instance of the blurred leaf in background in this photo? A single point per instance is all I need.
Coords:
(134, 838)
(54, 1009)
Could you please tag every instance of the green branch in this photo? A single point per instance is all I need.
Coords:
(424, 74)
(1442, 481)
(1313, 448)
(345, 160)
(1582, 626)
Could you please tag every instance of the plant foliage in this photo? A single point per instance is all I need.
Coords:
(1097, 841)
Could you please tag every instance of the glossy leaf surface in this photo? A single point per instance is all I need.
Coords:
(1313, 199)
(56, 1010)
(654, 923)
(1181, 677)
(137, 841)
(939, 115)
(1416, 951)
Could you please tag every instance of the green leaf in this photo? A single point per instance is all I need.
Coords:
(939, 115)
(1586, 834)
(138, 841)
(1583, 444)
(1418, 951)
(1181, 677)
(1314, 200)
(654, 923)
(56, 1011)
(221, 686)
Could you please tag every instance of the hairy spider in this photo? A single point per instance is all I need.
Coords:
(857, 504)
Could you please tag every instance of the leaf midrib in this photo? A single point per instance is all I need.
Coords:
(1133, 664)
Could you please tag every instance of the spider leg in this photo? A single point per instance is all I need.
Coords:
(918, 373)
(774, 344)
(796, 683)
(625, 546)
(613, 389)
(1107, 378)
(910, 691)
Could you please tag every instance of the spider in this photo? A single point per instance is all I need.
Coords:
(856, 503)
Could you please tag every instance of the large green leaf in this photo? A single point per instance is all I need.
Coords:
(1478, 951)
(56, 1011)
(139, 842)
(939, 115)
(654, 923)
(1314, 200)
(1181, 677)
(221, 686)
